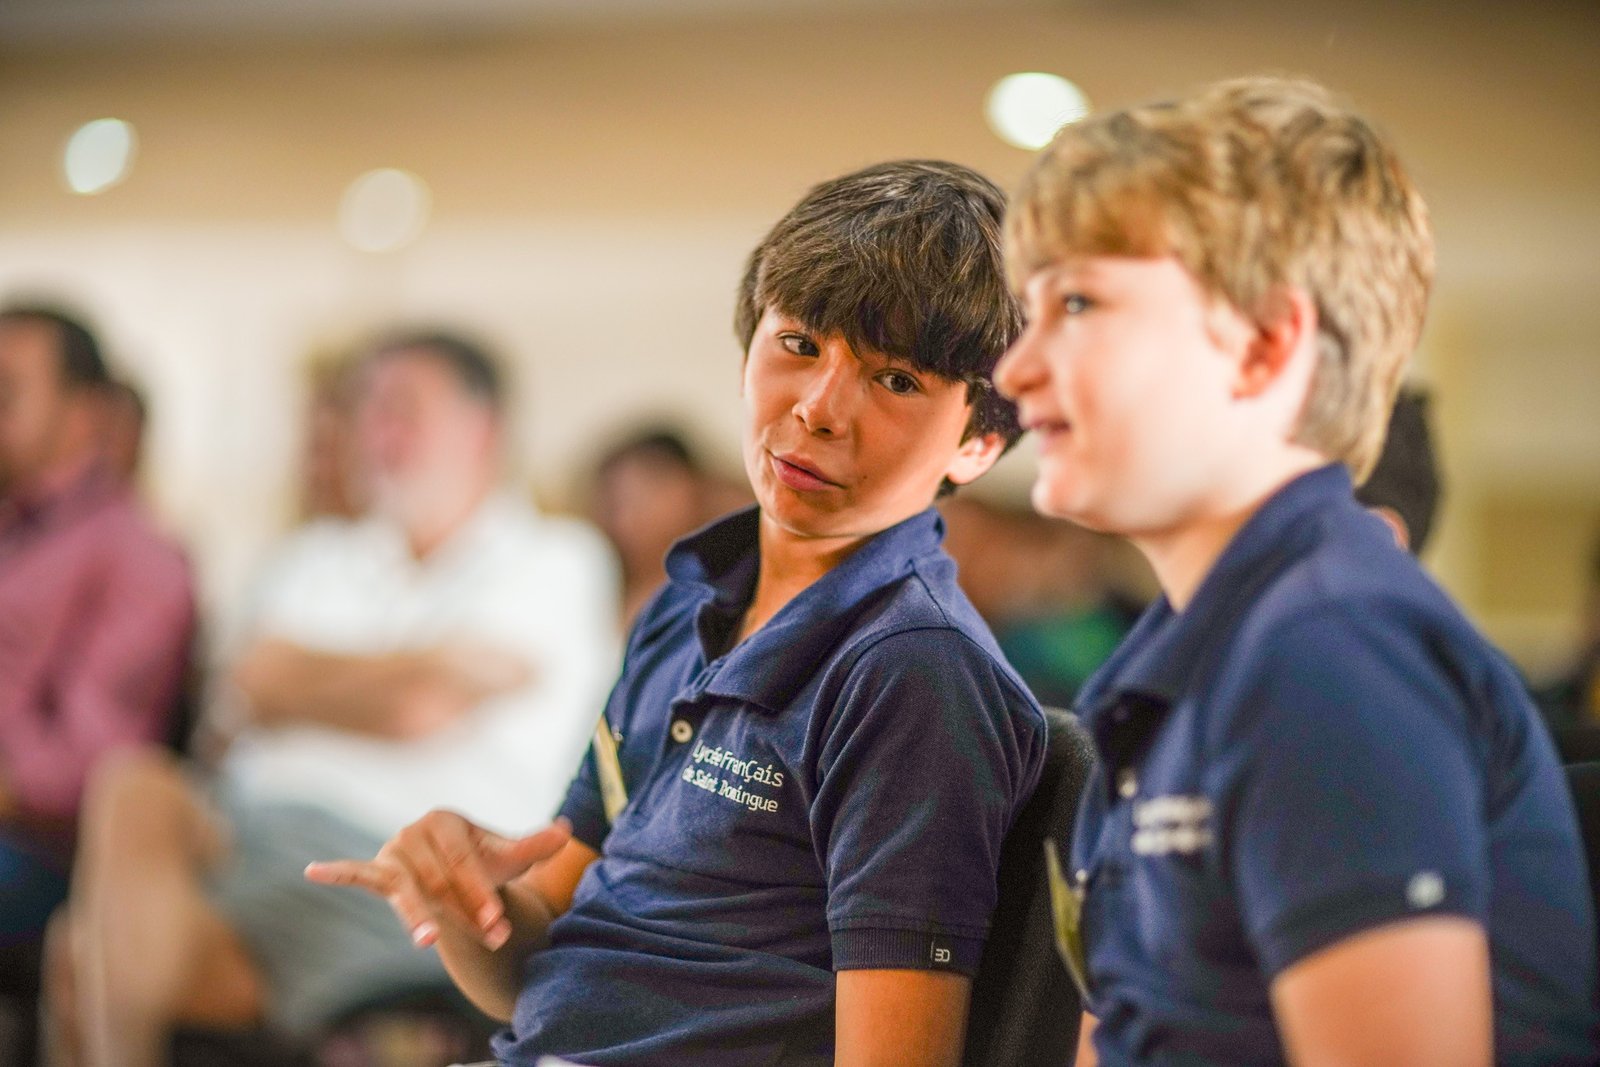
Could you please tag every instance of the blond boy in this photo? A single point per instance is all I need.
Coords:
(1327, 828)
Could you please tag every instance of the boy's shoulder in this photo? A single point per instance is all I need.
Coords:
(1348, 605)
(1348, 568)
(923, 624)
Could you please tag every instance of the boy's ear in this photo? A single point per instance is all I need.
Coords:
(974, 458)
(1286, 330)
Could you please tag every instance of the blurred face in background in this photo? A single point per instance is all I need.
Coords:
(644, 503)
(424, 442)
(43, 424)
(122, 419)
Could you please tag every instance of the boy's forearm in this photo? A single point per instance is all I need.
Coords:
(492, 979)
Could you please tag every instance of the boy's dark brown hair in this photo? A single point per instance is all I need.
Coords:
(902, 258)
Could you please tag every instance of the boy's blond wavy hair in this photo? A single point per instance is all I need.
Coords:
(1254, 185)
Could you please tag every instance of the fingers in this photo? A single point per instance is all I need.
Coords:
(382, 878)
(442, 868)
(357, 873)
(443, 855)
(508, 858)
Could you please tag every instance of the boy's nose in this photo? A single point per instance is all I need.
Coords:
(1020, 369)
(824, 405)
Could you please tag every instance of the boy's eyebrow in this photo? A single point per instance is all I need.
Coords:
(788, 321)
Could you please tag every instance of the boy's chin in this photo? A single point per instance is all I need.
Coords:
(1056, 501)
(809, 522)
(1048, 500)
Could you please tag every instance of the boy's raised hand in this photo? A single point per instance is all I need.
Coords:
(443, 868)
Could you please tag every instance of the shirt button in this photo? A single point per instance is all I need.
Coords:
(681, 730)
(1127, 784)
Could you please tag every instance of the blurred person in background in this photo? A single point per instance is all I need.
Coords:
(649, 490)
(1046, 587)
(1404, 488)
(451, 648)
(96, 609)
(1572, 700)
(329, 481)
(123, 414)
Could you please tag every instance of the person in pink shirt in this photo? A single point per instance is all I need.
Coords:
(96, 609)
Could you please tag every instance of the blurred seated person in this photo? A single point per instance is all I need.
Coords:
(1053, 593)
(123, 414)
(650, 489)
(329, 485)
(449, 643)
(1573, 699)
(1404, 488)
(96, 612)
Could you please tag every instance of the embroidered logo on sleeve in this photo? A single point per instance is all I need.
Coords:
(740, 780)
(941, 957)
(1166, 825)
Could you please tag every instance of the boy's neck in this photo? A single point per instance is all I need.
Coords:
(789, 564)
(1183, 555)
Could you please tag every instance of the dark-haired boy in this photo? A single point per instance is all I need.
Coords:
(822, 747)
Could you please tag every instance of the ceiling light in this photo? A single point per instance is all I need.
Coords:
(98, 155)
(384, 210)
(1026, 110)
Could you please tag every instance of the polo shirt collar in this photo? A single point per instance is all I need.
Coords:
(1159, 657)
(769, 668)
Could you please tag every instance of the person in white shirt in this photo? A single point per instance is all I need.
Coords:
(451, 648)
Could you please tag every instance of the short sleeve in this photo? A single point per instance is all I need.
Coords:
(1351, 795)
(584, 805)
(922, 767)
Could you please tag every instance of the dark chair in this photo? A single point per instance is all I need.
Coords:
(1584, 778)
(1025, 1009)
(1578, 744)
(433, 1025)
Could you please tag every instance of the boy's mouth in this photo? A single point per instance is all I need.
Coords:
(1047, 429)
(799, 473)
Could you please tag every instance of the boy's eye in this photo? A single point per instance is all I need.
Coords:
(1075, 303)
(797, 344)
(900, 383)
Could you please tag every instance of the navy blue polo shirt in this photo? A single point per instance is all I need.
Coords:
(831, 793)
(1318, 745)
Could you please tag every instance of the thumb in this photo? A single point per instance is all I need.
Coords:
(507, 857)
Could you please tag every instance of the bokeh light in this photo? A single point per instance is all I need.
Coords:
(98, 156)
(384, 210)
(1027, 109)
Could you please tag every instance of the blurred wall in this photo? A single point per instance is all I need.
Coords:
(596, 185)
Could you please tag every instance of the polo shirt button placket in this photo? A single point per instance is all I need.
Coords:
(1127, 783)
(682, 731)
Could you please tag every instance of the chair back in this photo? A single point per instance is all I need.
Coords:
(1584, 778)
(1578, 743)
(1025, 1009)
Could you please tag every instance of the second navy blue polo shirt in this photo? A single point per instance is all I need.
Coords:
(831, 793)
(1317, 745)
